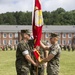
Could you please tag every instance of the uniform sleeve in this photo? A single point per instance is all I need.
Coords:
(25, 52)
(54, 51)
(22, 47)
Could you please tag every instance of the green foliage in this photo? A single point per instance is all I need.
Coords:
(56, 17)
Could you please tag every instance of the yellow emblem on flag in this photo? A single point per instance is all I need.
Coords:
(38, 18)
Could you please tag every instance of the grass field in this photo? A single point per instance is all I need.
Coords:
(7, 63)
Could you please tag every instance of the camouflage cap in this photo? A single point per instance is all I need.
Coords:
(25, 31)
(54, 35)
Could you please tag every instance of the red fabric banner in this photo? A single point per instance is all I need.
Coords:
(36, 54)
(37, 23)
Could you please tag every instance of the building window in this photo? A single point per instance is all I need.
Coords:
(16, 35)
(74, 41)
(69, 35)
(4, 42)
(10, 35)
(0, 42)
(64, 35)
(64, 42)
(59, 35)
(58, 41)
(46, 35)
(10, 42)
(69, 41)
(0, 35)
(15, 41)
(4, 35)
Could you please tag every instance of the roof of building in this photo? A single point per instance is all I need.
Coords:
(46, 28)
(13, 28)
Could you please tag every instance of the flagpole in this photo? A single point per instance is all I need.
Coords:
(36, 68)
(37, 22)
(32, 29)
(33, 12)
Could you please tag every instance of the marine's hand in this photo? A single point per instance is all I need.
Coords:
(36, 64)
(47, 47)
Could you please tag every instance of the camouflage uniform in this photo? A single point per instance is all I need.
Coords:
(22, 65)
(65, 47)
(41, 67)
(23, 48)
(53, 64)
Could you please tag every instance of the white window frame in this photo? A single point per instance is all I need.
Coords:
(16, 35)
(69, 35)
(59, 35)
(0, 35)
(74, 42)
(0, 42)
(4, 35)
(15, 42)
(4, 42)
(63, 35)
(74, 34)
(69, 41)
(10, 42)
(46, 35)
(59, 42)
(63, 42)
(10, 34)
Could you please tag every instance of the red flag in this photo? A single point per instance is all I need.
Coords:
(36, 54)
(37, 27)
(37, 23)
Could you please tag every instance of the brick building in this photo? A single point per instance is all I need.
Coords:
(10, 34)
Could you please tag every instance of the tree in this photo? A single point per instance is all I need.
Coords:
(56, 17)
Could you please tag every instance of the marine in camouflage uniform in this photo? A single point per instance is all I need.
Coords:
(43, 54)
(53, 56)
(41, 66)
(53, 64)
(23, 56)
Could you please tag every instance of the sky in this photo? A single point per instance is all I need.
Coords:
(28, 5)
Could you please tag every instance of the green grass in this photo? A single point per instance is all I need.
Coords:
(67, 63)
(7, 63)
